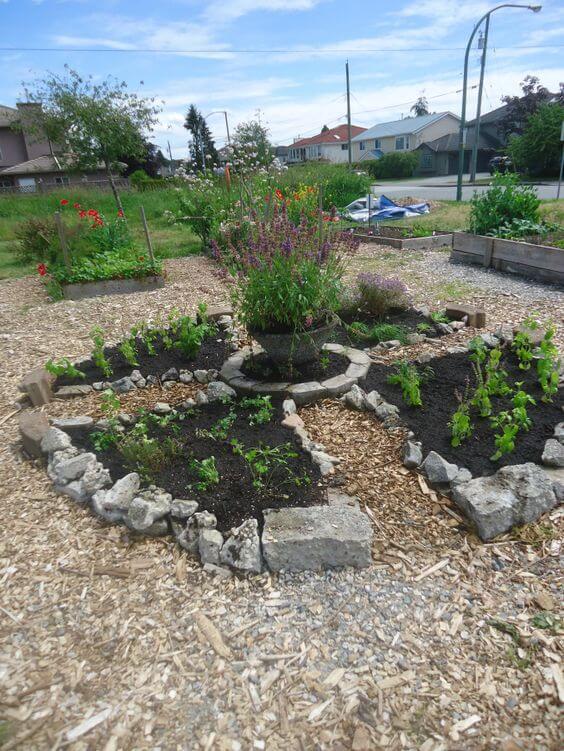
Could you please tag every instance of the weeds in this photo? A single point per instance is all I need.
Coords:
(206, 471)
(264, 410)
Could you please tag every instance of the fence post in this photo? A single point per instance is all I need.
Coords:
(62, 239)
(320, 218)
(147, 235)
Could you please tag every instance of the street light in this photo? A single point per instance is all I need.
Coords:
(224, 113)
(535, 9)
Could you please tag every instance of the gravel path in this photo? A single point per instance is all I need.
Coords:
(108, 642)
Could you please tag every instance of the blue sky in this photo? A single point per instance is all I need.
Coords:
(284, 58)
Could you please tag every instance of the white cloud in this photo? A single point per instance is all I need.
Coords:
(220, 11)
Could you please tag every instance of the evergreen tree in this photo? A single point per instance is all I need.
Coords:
(202, 146)
(421, 107)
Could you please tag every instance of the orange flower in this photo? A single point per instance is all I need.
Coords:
(279, 195)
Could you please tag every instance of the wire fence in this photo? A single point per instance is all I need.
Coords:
(48, 187)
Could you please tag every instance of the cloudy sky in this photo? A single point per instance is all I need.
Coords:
(282, 58)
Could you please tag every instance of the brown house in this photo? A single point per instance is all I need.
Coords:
(29, 164)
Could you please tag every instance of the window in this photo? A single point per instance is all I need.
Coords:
(400, 143)
(362, 145)
(377, 143)
(427, 161)
(62, 180)
(344, 146)
(319, 150)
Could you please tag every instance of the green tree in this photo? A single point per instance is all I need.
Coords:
(92, 124)
(520, 108)
(537, 151)
(421, 107)
(251, 140)
(202, 147)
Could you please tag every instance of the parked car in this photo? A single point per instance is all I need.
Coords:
(500, 164)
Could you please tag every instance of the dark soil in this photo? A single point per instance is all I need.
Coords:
(439, 396)
(234, 498)
(409, 319)
(327, 366)
(212, 354)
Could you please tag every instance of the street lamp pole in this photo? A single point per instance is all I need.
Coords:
(224, 113)
(474, 158)
(535, 9)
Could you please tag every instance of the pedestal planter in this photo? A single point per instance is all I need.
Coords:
(298, 348)
(79, 291)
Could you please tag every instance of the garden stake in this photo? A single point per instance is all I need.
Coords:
(320, 219)
(62, 238)
(147, 235)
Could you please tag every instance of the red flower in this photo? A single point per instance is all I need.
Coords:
(82, 214)
(92, 212)
(41, 269)
(76, 205)
(278, 194)
(120, 213)
(64, 202)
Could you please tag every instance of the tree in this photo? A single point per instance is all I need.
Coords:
(421, 107)
(202, 147)
(537, 150)
(150, 162)
(520, 108)
(251, 137)
(324, 129)
(92, 124)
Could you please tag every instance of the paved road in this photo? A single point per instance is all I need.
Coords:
(444, 188)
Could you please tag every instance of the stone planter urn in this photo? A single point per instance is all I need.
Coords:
(297, 348)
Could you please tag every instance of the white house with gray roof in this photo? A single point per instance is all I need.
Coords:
(402, 135)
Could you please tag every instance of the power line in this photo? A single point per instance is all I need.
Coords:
(313, 51)
(404, 104)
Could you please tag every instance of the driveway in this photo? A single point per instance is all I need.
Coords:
(444, 188)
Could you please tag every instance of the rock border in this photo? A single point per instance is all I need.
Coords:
(340, 535)
(515, 494)
(302, 393)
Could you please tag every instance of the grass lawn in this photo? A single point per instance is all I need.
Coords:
(169, 240)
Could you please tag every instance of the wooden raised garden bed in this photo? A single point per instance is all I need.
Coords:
(81, 290)
(390, 236)
(541, 262)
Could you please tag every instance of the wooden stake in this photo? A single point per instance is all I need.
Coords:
(320, 219)
(62, 239)
(147, 235)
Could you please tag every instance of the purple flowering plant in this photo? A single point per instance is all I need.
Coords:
(378, 294)
(287, 277)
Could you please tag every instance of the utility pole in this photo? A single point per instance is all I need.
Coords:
(475, 146)
(349, 113)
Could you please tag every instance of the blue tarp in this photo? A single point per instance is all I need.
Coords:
(385, 208)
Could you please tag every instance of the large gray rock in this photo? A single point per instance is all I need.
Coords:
(241, 550)
(74, 391)
(73, 424)
(33, 428)
(553, 453)
(188, 537)
(438, 470)
(219, 391)
(372, 400)
(412, 455)
(148, 507)
(559, 432)
(64, 470)
(123, 385)
(55, 440)
(93, 480)
(182, 508)
(170, 375)
(210, 542)
(354, 399)
(517, 494)
(113, 504)
(317, 537)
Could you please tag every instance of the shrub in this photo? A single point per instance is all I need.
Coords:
(140, 179)
(38, 240)
(288, 278)
(394, 164)
(506, 201)
(204, 203)
(340, 185)
(538, 150)
(378, 294)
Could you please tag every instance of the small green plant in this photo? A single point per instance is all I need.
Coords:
(505, 437)
(324, 360)
(424, 327)
(410, 380)
(148, 337)
(110, 403)
(548, 365)
(262, 405)
(147, 456)
(378, 332)
(220, 430)
(102, 440)
(439, 316)
(128, 349)
(496, 377)
(98, 356)
(461, 424)
(506, 201)
(522, 346)
(520, 401)
(481, 399)
(478, 350)
(189, 335)
(63, 367)
(206, 471)
(264, 460)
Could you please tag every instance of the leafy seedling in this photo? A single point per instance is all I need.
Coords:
(63, 367)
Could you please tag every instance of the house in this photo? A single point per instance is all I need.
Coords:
(29, 163)
(331, 145)
(440, 157)
(402, 135)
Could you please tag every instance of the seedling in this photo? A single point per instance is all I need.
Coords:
(147, 456)
(128, 349)
(410, 380)
(263, 460)
(505, 439)
(98, 356)
(439, 316)
(522, 346)
(207, 472)
(481, 399)
(63, 367)
(263, 406)
(548, 365)
(148, 337)
(424, 327)
(520, 401)
(220, 430)
(189, 335)
(496, 377)
(461, 425)
(479, 350)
